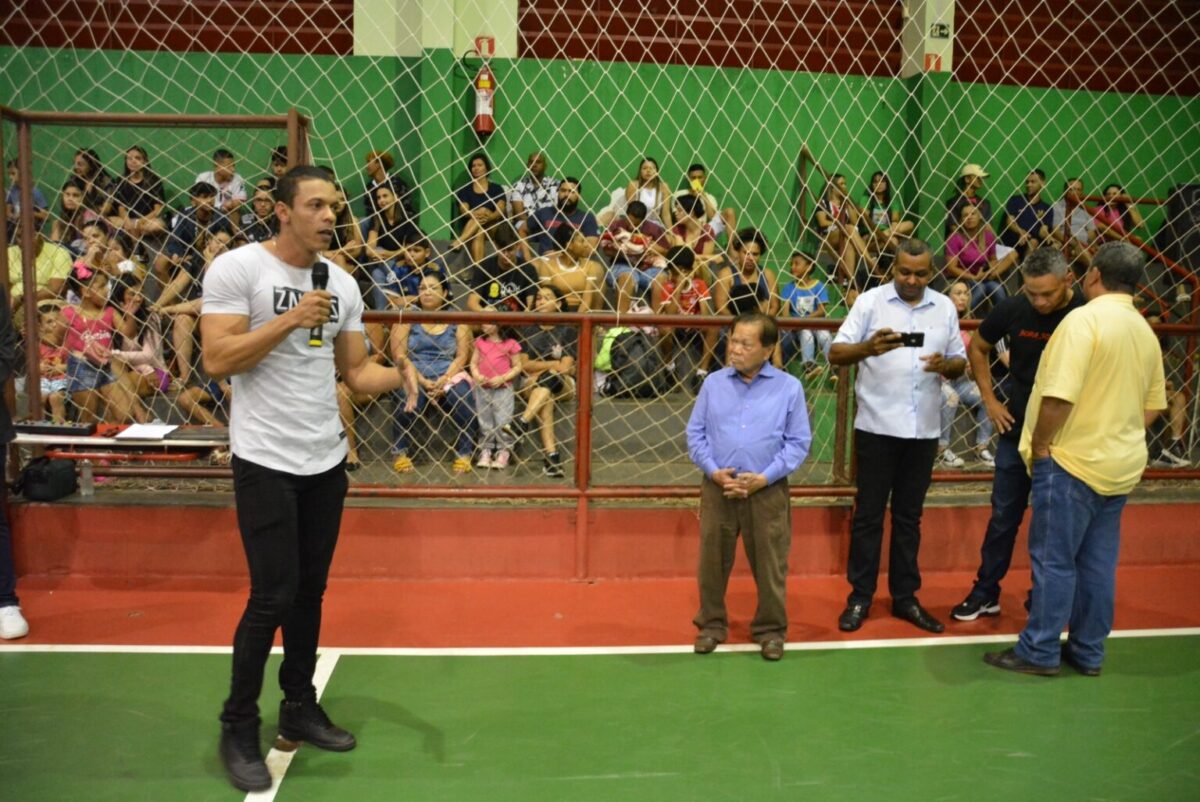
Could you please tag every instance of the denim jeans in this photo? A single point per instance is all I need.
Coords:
(1074, 538)
(804, 341)
(8, 574)
(1010, 498)
(289, 526)
(381, 276)
(985, 289)
(958, 393)
(458, 400)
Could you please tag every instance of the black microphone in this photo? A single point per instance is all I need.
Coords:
(320, 277)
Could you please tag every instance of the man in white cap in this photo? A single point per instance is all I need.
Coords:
(970, 184)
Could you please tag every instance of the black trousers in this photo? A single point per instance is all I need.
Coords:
(898, 469)
(289, 526)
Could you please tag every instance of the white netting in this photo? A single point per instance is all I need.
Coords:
(774, 99)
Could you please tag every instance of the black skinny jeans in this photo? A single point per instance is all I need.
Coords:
(289, 526)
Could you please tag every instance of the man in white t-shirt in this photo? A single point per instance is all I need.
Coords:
(231, 187)
(261, 317)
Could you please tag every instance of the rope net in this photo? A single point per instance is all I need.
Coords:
(777, 151)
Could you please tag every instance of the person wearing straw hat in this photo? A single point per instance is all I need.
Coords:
(970, 185)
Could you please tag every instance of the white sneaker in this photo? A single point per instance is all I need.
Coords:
(1170, 458)
(12, 624)
(986, 457)
(949, 459)
(485, 459)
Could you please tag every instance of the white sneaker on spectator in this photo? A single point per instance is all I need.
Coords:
(12, 624)
(948, 459)
(1170, 458)
(485, 459)
(986, 457)
(501, 459)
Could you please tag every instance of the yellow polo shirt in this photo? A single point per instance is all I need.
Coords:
(1104, 359)
(52, 262)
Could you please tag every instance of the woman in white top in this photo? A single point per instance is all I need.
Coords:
(650, 189)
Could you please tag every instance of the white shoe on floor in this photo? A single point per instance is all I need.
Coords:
(12, 624)
(949, 459)
(986, 456)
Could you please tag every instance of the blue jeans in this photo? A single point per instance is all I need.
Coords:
(983, 289)
(1074, 538)
(458, 401)
(964, 392)
(8, 574)
(1010, 498)
(381, 276)
(804, 341)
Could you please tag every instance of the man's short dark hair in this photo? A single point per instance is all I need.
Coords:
(279, 155)
(747, 235)
(693, 205)
(220, 154)
(1040, 173)
(1067, 184)
(636, 209)
(573, 180)
(266, 183)
(913, 247)
(681, 257)
(697, 168)
(1044, 261)
(415, 236)
(202, 189)
(1122, 266)
(504, 236)
(289, 182)
(768, 330)
(562, 235)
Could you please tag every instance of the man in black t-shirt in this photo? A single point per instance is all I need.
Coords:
(503, 281)
(540, 225)
(1026, 321)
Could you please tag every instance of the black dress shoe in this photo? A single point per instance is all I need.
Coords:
(918, 616)
(306, 721)
(853, 616)
(1070, 660)
(705, 644)
(242, 756)
(1010, 661)
(772, 649)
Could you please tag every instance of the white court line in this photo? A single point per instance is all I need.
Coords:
(277, 761)
(580, 651)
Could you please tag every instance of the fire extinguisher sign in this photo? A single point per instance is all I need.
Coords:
(485, 46)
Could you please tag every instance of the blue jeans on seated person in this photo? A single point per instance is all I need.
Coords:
(458, 401)
(963, 391)
(381, 278)
(804, 342)
(642, 276)
(987, 289)
(1074, 539)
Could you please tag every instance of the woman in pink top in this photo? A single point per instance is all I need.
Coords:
(497, 360)
(1118, 216)
(90, 327)
(971, 257)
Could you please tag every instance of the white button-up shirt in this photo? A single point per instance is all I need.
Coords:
(896, 395)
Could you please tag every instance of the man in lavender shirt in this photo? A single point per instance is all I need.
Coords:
(748, 431)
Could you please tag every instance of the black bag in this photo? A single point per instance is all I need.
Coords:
(637, 370)
(45, 479)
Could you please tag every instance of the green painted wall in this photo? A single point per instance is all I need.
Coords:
(595, 120)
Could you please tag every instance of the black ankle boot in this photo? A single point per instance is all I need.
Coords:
(306, 721)
(242, 756)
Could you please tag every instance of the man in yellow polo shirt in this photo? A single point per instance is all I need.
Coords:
(52, 264)
(1099, 385)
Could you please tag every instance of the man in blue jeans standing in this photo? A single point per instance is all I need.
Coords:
(1025, 322)
(1099, 385)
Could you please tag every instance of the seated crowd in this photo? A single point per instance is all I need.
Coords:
(119, 283)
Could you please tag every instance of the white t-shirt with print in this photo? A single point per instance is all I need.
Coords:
(284, 413)
(235, 187)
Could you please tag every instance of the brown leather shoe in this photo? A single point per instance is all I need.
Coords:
(705, 644)
(772, 649)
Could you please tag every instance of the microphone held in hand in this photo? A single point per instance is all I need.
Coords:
(320, 278)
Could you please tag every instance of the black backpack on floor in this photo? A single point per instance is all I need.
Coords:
(45, 479)
(637, 370)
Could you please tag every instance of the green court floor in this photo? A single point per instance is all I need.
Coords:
(908, 723)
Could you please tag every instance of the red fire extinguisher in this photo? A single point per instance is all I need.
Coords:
(485, 101)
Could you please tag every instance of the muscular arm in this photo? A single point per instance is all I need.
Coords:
(231, 347)
(363, 375)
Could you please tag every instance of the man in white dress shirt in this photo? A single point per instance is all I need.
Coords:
(903, 336)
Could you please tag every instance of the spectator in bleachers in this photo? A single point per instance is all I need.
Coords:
(614, 209)
(97, 183)
(91, 325)
(692, 232)
(481, 204)
(540, 226)
(350, 403)
(52, 361)
(231, 187)
(804, 296)
(204, 400)
(398, 284)
(636, 245)
(12, 199)
(550, 353)
(279, 163)
(186, 286)
(138, 358)
(191, 231)
(347, 246)
(389, 232)
(504, 280)
(1028, 220)
(867, 265)
(652, 192)
(533, 191)
(972, 256)
(837, 217)
(138, 199)
(744, 286)
(570, 269)
(52, 266)
(970, 184)
(1118, 216)
(718, 220)
(67, 227)
(95, 247)
(258, 223)
(119, 259)
(1074, 225)
(379, 173)
(963, 392)
(440, 352)
(681, 290)
(496, 362)
(880, 220)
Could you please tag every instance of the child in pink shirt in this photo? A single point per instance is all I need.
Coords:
(495, 362)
